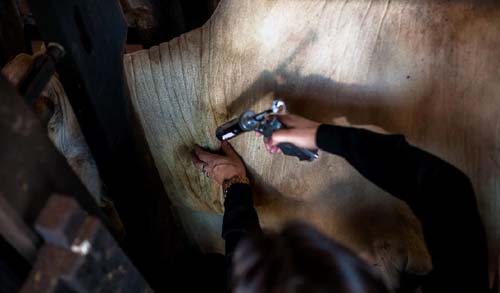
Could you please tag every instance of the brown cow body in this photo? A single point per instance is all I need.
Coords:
(426, 69)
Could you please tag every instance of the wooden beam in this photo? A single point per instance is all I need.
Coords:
(13, 267)
(79, 254)
(93, 78)
(30, 174)
(16, 232)
(31, 170)
(154, 21)
(142, 15)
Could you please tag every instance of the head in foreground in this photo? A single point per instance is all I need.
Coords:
(300, 259)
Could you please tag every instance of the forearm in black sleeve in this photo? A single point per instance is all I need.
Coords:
(240, 218)
(440, 195)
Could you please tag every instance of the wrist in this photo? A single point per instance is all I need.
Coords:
(314, 134)
(237, 179)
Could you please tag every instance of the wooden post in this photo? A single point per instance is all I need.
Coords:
(80, 254)
(16, 232)
(30, 174)
(152, 22)
(141, 15)
(31, 170)
(93, 77)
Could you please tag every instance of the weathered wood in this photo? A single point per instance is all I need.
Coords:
(16, 232)
(13, 267)
(31, 167)
(142, 15)
(80, 255)
(426, 69)
(94, 34)
(62, 125)
(31, 170)
(153, 21)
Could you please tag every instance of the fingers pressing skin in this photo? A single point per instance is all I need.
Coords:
(204, 155)
(196, 161)
(219, 167)
(228, 150)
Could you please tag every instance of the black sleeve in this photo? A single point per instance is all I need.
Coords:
(440, 195)
(240, 219)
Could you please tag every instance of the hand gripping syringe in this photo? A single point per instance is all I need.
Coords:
(266, 123)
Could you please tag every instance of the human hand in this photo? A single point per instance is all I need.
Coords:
(300, 131)
(219, 167)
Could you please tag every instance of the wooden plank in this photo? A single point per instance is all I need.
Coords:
(142, 15)
(80, 254)
(427, 69)
(30, 174)
(93, 78)
(57, 115)
(13, 267)
(31, 169)
(16, 232)
(156, 21)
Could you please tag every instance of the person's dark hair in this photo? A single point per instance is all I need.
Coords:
(299, 259)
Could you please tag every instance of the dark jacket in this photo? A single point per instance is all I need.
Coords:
(440, 195)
